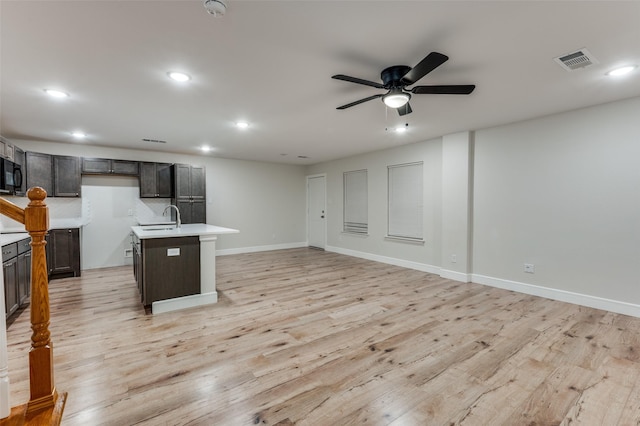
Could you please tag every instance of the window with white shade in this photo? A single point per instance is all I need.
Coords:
(405, 201)
(355, 202)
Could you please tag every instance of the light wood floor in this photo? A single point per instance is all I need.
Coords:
(313, 338)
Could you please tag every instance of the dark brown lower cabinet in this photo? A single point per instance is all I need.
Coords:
(10, 270)
(166, 268)
(16, 267)
(63, 253)
(24, 271)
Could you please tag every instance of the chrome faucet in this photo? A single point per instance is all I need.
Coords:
(164, 213)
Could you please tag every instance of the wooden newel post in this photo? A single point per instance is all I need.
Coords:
(36, 222)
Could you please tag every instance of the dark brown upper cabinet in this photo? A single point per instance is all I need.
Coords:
(57, 174)
(39, 171)
(67, 180)
(105, 166)
(190, 195)
(156, 180)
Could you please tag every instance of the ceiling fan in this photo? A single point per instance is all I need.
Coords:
(396, 78)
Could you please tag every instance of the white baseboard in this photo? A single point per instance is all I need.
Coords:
(534, 290)
(184, 302)
(561, 295)
(456, 276)
(384, 259)
(256, 249)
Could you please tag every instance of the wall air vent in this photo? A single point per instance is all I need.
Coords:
(576, 60)
(153, 140)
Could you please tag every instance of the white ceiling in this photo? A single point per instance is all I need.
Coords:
(270, 63)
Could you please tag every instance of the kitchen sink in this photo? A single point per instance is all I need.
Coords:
(159, 229)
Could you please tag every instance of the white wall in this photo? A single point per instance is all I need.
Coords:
(265, 201)
(108, 201)
(375, 246)
(562, 192)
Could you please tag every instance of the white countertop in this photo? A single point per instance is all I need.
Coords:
(53, 224)
(186, 230)
(12, 238)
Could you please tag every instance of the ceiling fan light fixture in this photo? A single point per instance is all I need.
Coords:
(396, 99)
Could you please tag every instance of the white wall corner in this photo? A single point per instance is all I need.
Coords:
(455, 276)
(457, 197)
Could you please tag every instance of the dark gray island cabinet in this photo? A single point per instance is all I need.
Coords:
(174, 267)
(166, 268)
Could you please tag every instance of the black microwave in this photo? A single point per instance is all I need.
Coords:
(10, 177)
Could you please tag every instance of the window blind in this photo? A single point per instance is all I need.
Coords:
(355, 202)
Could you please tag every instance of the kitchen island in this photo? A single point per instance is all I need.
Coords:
(175, 267)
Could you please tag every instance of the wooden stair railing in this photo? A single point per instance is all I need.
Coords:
(45, 405)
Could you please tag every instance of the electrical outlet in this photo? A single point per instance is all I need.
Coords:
(454, 258)
(529, 268)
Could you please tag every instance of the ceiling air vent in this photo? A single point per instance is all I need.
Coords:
(576, 60)
(153, 140)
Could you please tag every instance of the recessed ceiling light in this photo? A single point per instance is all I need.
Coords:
(205, 148)
(622, 70)
(56, 93)
(401, 129)
(78, 134)
(242, 124)
(178, 76)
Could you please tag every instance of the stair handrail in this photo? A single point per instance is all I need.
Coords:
(44, 400)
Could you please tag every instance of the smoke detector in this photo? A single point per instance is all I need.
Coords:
(215, 7)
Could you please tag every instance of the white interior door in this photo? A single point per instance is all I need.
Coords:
(316, 211)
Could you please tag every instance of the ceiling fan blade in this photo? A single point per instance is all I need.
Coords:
(359, 102)
(460, 89)
(404, 109)
(432, 61)
(358, 81)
